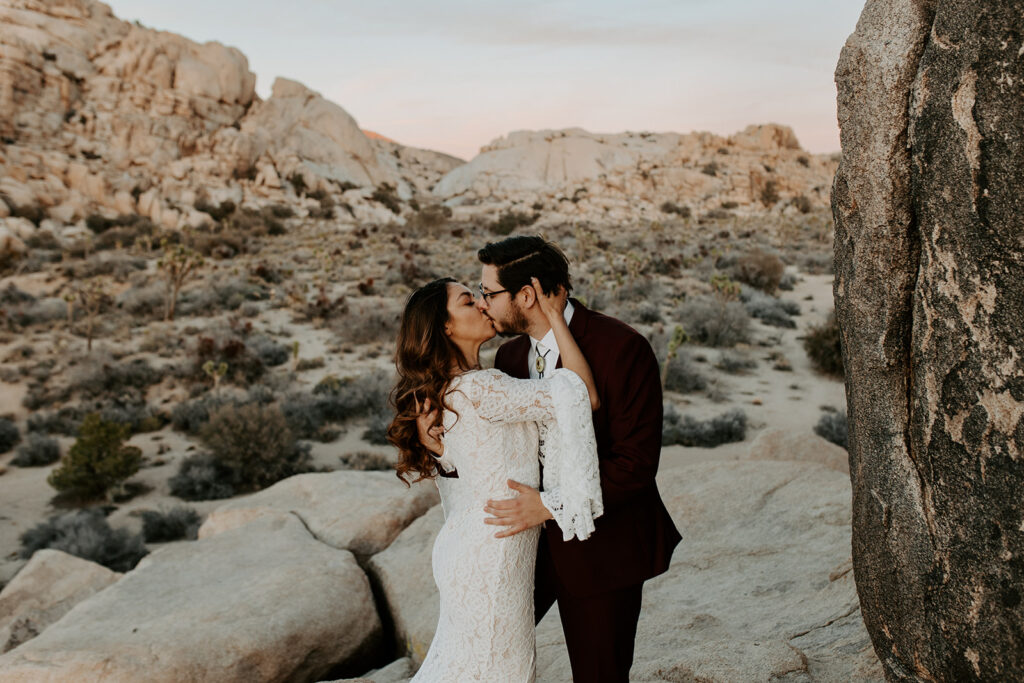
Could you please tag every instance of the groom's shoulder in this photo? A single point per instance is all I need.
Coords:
(513, 347)
(612, 330)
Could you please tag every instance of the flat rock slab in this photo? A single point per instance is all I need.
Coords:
(46, 588)
(782, 444)
(760, 587)
(264, 602)
(361, 512)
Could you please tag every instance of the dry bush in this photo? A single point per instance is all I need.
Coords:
(255, 443)
(822, 344)
(759, 269)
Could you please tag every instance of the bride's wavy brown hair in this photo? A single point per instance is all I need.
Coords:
(425, 359)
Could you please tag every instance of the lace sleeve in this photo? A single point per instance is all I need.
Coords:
(560, 405)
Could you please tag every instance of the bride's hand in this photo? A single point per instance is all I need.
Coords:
(552, 304)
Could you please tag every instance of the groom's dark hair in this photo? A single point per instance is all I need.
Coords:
(524, 256)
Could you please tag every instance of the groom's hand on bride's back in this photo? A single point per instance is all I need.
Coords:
(518, 514)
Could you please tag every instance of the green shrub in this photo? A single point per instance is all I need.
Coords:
(823, 347)
(255, 442)
(98, 462)
(86, 534)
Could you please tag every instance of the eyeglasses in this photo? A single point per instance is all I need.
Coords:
(487, 295)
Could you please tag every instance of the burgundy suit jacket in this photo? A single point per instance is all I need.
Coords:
(634, 538)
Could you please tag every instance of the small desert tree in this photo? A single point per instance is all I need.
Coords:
(179, 263)
(91, 296)
(98, 462)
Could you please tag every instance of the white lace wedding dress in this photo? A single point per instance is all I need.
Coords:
(486, 628)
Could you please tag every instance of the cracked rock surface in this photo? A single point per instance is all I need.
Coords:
(929, 262)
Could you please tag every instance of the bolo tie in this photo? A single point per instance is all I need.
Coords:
(540, 363)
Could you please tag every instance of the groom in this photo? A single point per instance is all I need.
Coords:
(597, 582)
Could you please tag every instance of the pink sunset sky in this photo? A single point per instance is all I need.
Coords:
(451, 75)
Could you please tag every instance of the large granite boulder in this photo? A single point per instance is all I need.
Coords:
(44, 590)
(264, 602)
(929, 265)
(405, 578)
(783, 444)
(357, 511)
(760, 588)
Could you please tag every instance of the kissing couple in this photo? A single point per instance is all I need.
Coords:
(546, 466)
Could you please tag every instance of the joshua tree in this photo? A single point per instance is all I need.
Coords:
(215, 371)
(91, 296)
(679, 337)
(179, 264)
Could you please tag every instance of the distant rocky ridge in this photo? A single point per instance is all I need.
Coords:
(99, 115)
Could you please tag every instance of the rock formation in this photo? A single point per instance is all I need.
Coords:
(929, 255)
(616, 177)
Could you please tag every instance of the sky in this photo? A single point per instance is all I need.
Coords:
(452, 75)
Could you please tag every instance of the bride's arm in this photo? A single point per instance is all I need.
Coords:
(553, 305)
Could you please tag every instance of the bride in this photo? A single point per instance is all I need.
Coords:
(494, 427)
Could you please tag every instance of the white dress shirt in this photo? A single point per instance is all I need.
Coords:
(551, 359)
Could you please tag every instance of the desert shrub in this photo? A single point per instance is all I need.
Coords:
(432, 216)
(711, 321)
(710, 169)
(306, 416)
(30, 212)
(202, 476)
(365, 461)
(803, 160)
(510, 220)
(100, 375)
(255, 443)
(823, 347)
(98, 461)
(33, 312)
(802, 204)
(116, 265)
(672, 207)
(354, 397)
(769, 309)
(268, 351)
(645, 312)
(716, 215)
(769, 193)
(148, 300)
(86, 534)
(190, 416)
(160, 526)
(222, 294)
(787, 282)
(759, 269)
(243, 363)
(682, 375)
(385, 194)
(64, 421)
(735, 363)
(376, 432)
(9, 435)
(367, 324)
(833, 426)
(127, 232)
(37, 451)
(684, 430)
(217, 212)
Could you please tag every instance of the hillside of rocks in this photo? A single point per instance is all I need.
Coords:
(101, 117)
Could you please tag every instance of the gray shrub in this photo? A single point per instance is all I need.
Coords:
(710, 321)
(833, 426)
(684, 430)
(37, 451)
(86, 534)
